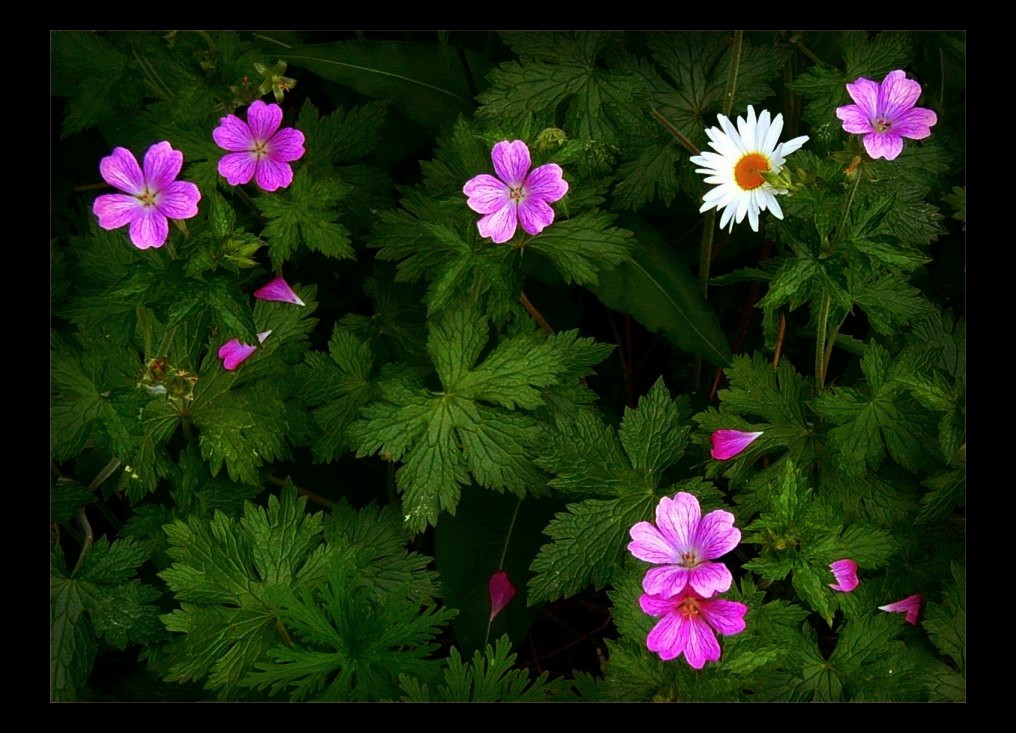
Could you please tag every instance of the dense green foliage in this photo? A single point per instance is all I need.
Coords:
(321, 522)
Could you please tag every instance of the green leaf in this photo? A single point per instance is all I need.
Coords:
(305, 215)
(489, 532)
(656, 287)
(948, 491)
(488, 677)
(428, 84)
(341, 136)
(222, 572)
(946, 622)
(66, 498)
(588, 541)
(652, 433)
(72, 642)
(583, 247)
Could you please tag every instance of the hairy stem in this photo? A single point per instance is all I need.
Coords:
(89, 538)
(735, 65)
(681, 138)
(535, 313)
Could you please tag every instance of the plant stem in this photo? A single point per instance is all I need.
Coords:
(681, 138)
(105, 473)
(535, 313)
(504, 552)
(89, 538)
(735, 65)
(825, 339)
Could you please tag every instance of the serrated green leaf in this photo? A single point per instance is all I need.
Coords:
(588, 542)
(305, 215)
(652, 434)
(488, 677)
(946, 622)
(582, 247)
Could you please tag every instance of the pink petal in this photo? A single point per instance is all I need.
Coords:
(233, 135)
(162, 165)
(286, 145)
(665, 581)
(263, 119)
(121, 170)
(237, 168)
(716, 534)
(864, 92)
(897, 94)
(546, 183)
(535, 215)
(728, 443)
(668, 637)
(263, 335)
(149, 229)
(855, 121)
(278, 290)
(115, 210)
(499, 225)
(678, 520)
(710, 578)
(271, 176)
(883, 145)
(911, 606)
(846, 575)
(511, 162)
(650, 545)
(915, 124)
(233, 353)
(700, 645)
(179, 200)
(501, 592)
(657, 605)
(727, 617)
(486, 194)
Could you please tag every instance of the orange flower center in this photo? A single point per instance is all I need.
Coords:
(689, 608)
(749, 169)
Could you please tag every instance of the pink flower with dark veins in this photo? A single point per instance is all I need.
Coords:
(846, 575)
(688, 625)
(885, 114)
(151, 196)
(258, 149)
(684, 543)
(517, 195)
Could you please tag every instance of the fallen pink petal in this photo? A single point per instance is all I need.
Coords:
(728, 443)
(886, 113)
(517, 195)
(683, 543)
(501, 592)
(911, 606)
(233, 353)
(278, 290)
(689, 625)
(151, 196)
(846, 575)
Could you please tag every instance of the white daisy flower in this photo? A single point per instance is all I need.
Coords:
(736, 168)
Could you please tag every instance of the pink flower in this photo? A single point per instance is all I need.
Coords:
(257, 148)
(684, 542)
(233, 353)
(278, 289)
(520, 196)
(501, 592)
(688, 624)
(728, 443)
(153, 196)
(846, 575)
(885, 114)
(911, 605)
